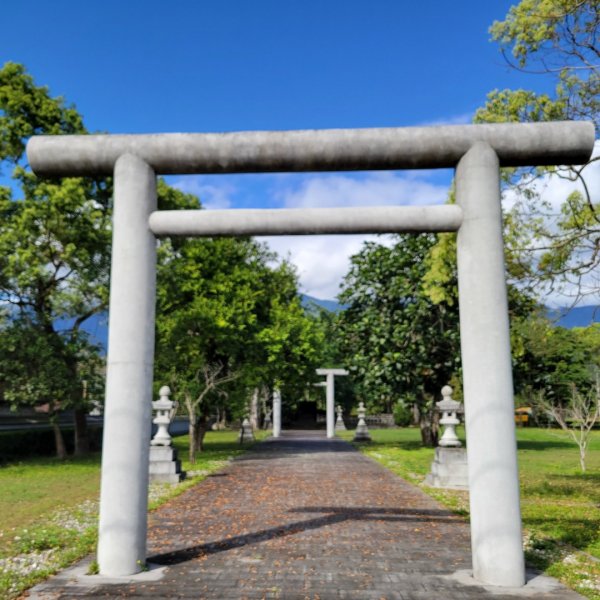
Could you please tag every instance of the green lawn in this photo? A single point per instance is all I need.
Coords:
(560, 505)
(49, 508)
(31, 489)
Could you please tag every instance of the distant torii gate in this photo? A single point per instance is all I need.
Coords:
(476, 151)
(330, 374)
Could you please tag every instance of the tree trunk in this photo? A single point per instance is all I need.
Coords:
(201, 423)
(82, 440)
(582, 453)
(192, 442)
(415, 414)
(389, 405)
(59, 441)
(429, 428)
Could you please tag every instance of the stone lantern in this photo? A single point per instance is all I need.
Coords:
(246, 433)
(164, 466)
(362, 431)
(449, 468)
(165, 410)
(339, 423)
(449, 408)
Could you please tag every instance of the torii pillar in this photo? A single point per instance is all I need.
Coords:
(330, 396)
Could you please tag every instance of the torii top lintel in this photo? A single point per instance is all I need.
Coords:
(332, 372)
(516, 144)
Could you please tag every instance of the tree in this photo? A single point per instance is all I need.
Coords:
(34, 374)
(228, 322)
(546, 358)
(27, 109)
(54, 241)
(290, 340)
(36, 370)
(552, 360)
(55, 244)
(399, 344)
(558, 40)
(577, 418)
(332, 356)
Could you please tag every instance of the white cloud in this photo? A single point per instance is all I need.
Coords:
(321, 260)
(212, 195)
(462, 119)
(372, 189)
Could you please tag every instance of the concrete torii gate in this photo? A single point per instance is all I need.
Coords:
(475, 151)
(330, 396)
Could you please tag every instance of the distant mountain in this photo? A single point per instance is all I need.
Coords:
(311, 303)
(580, 316)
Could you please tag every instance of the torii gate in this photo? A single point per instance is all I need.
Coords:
(329, 384)
(475, 151)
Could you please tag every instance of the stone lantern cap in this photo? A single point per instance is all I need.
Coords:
(163, 403)
(447, 404)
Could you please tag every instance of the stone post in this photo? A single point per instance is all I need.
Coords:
(276, 413)
(127, 411)
(330, 405)
(487, 374)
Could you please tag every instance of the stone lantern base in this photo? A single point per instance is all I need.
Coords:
(362, 433)
(164, 466)
(449, 469)
(246, 434)
(340, 425)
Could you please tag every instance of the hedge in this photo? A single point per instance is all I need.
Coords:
(40, 442)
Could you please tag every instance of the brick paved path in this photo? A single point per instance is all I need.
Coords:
(301, 517)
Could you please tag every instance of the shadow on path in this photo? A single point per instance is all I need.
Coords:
(336, 514)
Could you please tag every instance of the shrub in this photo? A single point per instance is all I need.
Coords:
(402, 414)
(40, 442)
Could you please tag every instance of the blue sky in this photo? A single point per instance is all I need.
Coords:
(149, 66)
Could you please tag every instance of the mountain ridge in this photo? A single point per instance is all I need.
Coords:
(580, 316)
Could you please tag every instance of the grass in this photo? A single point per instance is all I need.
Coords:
(31, 489)
(560, 505)
(49, 508)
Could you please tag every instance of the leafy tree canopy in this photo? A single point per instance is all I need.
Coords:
(230, 318)
(400, 346)
(557, 39)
